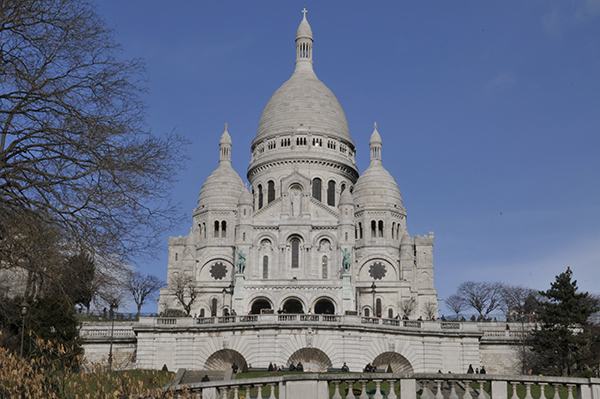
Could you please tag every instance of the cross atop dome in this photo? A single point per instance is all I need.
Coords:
(304, 11)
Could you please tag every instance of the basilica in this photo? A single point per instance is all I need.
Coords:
(308, 233)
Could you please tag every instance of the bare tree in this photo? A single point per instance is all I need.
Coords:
(185, 291)
(74, 149)
(456, 304)
(430, 309)
(108, 286)
(141, 286)
(30, 253)
(517, 299)
(482, 296)
(407, 306)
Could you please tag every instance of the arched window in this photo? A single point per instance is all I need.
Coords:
(203, 230)
(378, 307)
(270, 191)
(223, 229)
(216, 228)
(367, 312)
(201, 312)
(331, 193)
(393, 230)
(295, 252)
(265, 267)
(380, 229)
(342, 187)
(390, 313)
(244, 236)
(324, 266)
(360, 232)
(260, 196)
(213, 307)
(316, 189)
(373, 228)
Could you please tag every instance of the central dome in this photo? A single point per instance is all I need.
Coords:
(303, 102)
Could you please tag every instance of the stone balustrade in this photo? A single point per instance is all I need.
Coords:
(101, 331)
(319, 319)
(393, 386)
(489, 331)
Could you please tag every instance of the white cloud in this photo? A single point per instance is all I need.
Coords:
(592, 7)
(572, 14)
(502, 82)
(552, 21)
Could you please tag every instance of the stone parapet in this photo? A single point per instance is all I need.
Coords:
(393, 386)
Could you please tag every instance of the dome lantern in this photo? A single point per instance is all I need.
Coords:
(375, 145)
(304, 43)
(225, 146)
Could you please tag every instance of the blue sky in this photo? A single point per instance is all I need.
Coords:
(489, 113)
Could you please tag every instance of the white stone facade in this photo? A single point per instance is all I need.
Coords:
(305, 204)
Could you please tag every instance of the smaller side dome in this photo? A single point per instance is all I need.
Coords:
(346, 198)
(222, 189)
(246, 197)
(407, 240)
(376, 186)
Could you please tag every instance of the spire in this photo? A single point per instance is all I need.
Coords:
(225, 146)
(375, 144)
(304, 43)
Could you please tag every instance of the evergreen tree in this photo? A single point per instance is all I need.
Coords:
(562, 341)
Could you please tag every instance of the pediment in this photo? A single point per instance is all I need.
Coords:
(295, 178)
(310, 208)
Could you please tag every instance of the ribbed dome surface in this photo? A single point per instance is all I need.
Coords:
(376, 186)
(222, 188)
(303, 100)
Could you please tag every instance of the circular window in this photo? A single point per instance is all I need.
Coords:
(218, 271)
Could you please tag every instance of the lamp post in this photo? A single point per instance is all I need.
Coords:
(522, 312)
(228, 290)
(373, 291)
(113, 307)
(24, 311)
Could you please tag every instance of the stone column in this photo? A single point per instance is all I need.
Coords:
(238, 294)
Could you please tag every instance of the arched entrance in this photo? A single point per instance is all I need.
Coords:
(260, 304)
(312, 359)
(223, 359)
(324, 306)
(293, 305)
(393, 360)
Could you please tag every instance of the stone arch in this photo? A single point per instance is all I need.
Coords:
(312, 359)
(203, 273)
(260, 303)
(265, 236)
(324, 305)
(293, 305)
(324, 236)
(222, 360)
(392, 273)
(393, 360)
(295, 179)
